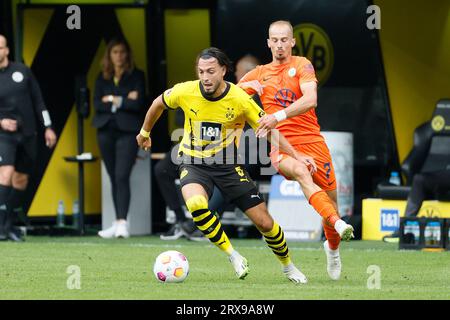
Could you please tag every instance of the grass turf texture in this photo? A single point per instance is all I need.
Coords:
(122, 269)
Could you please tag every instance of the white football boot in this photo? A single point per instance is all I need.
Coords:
(344, 229)
(294, 275)
(240, 264)
(333, 262)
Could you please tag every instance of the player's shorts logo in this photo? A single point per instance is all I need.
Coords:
(285, 97)
(312, 42)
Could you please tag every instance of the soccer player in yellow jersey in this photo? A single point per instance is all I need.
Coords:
(215, 113)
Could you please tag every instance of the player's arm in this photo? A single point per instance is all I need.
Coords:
(307, 102)
(153, 114)
(278, 141)
(253, 113)
(250, 83)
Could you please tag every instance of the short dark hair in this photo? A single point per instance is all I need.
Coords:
(221, 57)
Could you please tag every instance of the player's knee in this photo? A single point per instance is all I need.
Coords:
(197, 204)
(264, 223)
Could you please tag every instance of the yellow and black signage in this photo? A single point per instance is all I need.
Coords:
(57, 55)
(312, 42)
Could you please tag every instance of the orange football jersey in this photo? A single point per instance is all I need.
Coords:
(282, 88)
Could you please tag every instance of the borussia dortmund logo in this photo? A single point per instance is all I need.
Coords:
(230, 115)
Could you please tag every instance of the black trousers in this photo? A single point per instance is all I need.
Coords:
(119, 150)
(166, 172)
(426, 186)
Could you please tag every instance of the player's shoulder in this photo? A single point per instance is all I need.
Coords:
(237, 91)
(240, 97)
(300, 61)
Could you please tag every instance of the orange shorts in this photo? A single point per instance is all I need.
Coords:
(324, 177)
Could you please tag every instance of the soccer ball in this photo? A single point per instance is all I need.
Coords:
(171, 266)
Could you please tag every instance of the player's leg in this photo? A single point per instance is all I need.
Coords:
(325, 178)
(273, 235)
(317, 197)
(196, 199)
(331, 245)
(237, 185)
(331, 234)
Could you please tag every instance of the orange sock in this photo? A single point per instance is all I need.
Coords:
(332, 236)
(324, 206)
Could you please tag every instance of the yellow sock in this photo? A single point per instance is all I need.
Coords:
(208, 223)
(276, 241)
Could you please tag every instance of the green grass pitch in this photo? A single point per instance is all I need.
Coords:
(122, 269)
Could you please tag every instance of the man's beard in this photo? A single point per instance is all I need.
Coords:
(210, 93)
(280, 56)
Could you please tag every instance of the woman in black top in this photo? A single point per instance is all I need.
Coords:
(119, 102)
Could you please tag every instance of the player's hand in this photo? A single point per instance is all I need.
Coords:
(144, 143)
(8, 125)
(307, 161)
(133, 95)
(50, 138)
(254, 84)
(266, 123)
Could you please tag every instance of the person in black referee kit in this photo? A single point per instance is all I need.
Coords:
(119, 102)
(20, 103)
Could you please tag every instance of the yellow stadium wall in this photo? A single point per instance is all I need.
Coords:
(415, 44)
(187, 32)
(60, 181)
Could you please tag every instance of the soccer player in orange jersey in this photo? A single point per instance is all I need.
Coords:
(287, 88)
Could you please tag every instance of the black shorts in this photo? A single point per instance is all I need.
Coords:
(18, 151)
(232, 180)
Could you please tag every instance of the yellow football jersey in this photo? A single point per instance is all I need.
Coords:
(212, 125)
